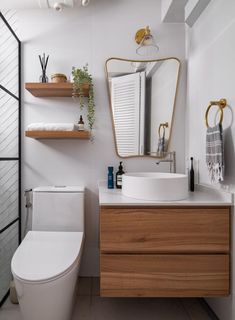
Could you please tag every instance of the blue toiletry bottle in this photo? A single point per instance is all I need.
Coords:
(110, 178)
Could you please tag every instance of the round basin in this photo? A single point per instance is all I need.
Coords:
(155, 186)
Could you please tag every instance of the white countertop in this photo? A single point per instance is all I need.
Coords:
(202, 196)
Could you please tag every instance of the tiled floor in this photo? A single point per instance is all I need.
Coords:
(90, 306)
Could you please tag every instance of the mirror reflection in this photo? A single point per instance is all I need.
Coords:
(142, 99)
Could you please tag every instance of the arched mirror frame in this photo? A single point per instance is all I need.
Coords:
(111, 111)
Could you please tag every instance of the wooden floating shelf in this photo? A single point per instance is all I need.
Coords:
(58, 134)
(63, 89)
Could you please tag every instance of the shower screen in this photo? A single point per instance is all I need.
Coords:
(10, 101)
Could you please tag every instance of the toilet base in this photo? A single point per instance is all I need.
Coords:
(52, 300)
(13, 294)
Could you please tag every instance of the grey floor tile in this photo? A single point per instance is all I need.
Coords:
(195, 309)
(10, 311)
(95, 286)
(10, 315)
(88, 307)
(82, 308)
(84, 286)
(137, 309)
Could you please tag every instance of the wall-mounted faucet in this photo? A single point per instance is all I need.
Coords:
(28, 203)
(171, 158)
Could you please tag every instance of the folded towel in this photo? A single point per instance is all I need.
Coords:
(41, 126)
(215, 153)
(59, 126)
(36, 126)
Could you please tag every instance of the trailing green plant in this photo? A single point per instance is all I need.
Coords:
(82, 81)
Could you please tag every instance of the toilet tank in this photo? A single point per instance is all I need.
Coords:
(58, 209)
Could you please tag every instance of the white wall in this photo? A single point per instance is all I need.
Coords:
(93, 34)
(211, 69)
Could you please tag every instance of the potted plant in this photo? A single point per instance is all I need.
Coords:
(83, 86)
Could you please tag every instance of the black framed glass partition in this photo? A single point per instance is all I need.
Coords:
(10, 148)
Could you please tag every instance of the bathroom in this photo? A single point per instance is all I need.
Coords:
(92, 34)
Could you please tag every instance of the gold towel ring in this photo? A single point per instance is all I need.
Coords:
(162, 125)
(221, 104)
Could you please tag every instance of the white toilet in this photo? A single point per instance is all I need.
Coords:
(45, 265)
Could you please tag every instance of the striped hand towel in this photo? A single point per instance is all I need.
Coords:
(215, 153)
(162, 143)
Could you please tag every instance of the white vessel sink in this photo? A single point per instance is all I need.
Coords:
(155, 186)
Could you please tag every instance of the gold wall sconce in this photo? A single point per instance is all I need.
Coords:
(145, 40)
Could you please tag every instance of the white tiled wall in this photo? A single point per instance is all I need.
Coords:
(211, 69)
(73, 37)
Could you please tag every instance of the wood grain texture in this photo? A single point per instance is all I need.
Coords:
(164, 275)
(57, 134)
(63, 89)
(164, 230)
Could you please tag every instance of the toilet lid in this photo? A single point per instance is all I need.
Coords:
(45, 255)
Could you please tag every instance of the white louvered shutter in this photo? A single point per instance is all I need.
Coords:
(126, 113)
(142, 112)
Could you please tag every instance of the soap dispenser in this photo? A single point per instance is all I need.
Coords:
(81, 124)
(119, 174)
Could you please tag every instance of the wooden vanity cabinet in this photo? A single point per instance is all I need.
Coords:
(164, 251)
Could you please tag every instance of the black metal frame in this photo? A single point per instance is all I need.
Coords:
(19, 139)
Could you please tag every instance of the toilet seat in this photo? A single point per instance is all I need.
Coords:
(44, 256)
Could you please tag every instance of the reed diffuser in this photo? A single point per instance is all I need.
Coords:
(43, 61)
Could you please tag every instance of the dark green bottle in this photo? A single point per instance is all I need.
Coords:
(191, 176)
(119, 174)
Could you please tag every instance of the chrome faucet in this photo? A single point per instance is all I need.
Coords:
(171, 158)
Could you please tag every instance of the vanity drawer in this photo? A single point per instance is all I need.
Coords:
(164, 230)
(164, 275)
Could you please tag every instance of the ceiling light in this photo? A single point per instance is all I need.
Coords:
(58, 6)
(85, 3)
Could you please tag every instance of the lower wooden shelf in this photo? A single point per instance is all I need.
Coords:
(58, 134)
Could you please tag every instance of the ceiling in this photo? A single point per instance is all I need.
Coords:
(172, 11)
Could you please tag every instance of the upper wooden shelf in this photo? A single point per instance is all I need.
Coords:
(58, 134)
(64, 89)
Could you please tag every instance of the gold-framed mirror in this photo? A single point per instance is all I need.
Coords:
(142, 96)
